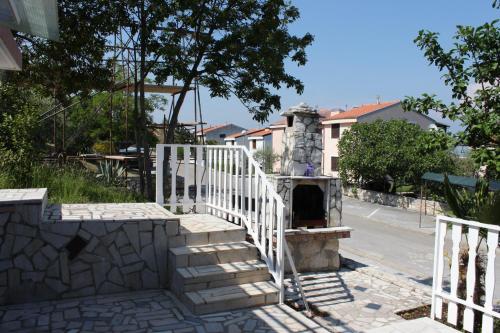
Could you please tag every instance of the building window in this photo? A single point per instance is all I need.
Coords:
(254, 144)
(289, 121)
(335, 131)
(335, 163)
(222, 136)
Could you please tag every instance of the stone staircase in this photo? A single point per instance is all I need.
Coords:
(214, 269)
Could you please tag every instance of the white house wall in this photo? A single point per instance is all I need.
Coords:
(397, 112)
(330, 147)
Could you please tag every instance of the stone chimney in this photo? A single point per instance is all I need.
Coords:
(302, 142)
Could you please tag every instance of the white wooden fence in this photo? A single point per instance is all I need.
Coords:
(227, 182)
(471, 235)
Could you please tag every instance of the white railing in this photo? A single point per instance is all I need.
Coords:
(470, 235)
(227, 182)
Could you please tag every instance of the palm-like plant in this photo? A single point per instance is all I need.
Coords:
(111, 173)
(482, 205)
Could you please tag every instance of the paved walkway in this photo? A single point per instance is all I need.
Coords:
(352, 300)
(356, 302)
(420, 325)
(145, 311)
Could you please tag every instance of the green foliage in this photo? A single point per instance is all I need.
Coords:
(478, 205)
(74, 64)
(19, 131)
(266, 158)
(184, 136)
(472, 63)
(464, 166)
(371, 151)
(73, 185)
(232, 47)
(89, 123)
(111, 173)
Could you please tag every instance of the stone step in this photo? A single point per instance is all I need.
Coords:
(213, 276)
(211, 254)
(202, 229)
(231, 298)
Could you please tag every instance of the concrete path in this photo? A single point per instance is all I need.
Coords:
(145, 311)
(420, 325)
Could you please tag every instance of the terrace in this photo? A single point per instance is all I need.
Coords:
(218, 265)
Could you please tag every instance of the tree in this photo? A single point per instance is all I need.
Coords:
(472, 62)
(75, 64)
(232, 47)
(20, 132)
(371, 153)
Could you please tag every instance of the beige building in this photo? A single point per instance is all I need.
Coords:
(336, 121)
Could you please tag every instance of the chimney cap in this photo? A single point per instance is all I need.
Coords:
(302, 109)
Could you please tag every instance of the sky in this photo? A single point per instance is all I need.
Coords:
(362, 49)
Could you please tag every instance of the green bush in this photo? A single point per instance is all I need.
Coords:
(384, 155)
(266, 158)
(19, 134)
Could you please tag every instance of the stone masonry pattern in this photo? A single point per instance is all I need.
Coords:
(146, 311)
(283, 188)
(302, 142)
(81, 250)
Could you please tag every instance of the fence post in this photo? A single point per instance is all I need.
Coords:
(159, 174)
(280, 253)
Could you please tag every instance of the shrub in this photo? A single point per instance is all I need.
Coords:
(395, 152)
(266, 158)
(72, 184)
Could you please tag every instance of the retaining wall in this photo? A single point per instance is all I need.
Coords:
(429, 207)
(62, 251)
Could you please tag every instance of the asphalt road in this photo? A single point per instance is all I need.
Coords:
(391, 240)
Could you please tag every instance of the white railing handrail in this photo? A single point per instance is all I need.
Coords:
(230, 193)
(473, 239)
(263, 175)
(457, 220)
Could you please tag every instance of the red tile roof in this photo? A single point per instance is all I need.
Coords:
(211, 128)
(243, 133)
(262, 132)
(357, 112)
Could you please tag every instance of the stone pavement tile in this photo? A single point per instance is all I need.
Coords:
(146, 311)
(357, 302)
(420, 325)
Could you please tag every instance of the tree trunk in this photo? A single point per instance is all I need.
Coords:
(145, 144)
(137, 129)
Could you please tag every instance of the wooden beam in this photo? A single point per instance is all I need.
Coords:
(153, 88)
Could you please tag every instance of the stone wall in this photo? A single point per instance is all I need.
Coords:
(80, 250)
(335, 202)
(429, 207)
(302, 142)
(283, 186)
(315, 250)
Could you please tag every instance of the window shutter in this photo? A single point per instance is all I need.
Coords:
(334, 163)
(335, 131)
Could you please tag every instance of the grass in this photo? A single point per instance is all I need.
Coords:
(72, 184)
(405, 188)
